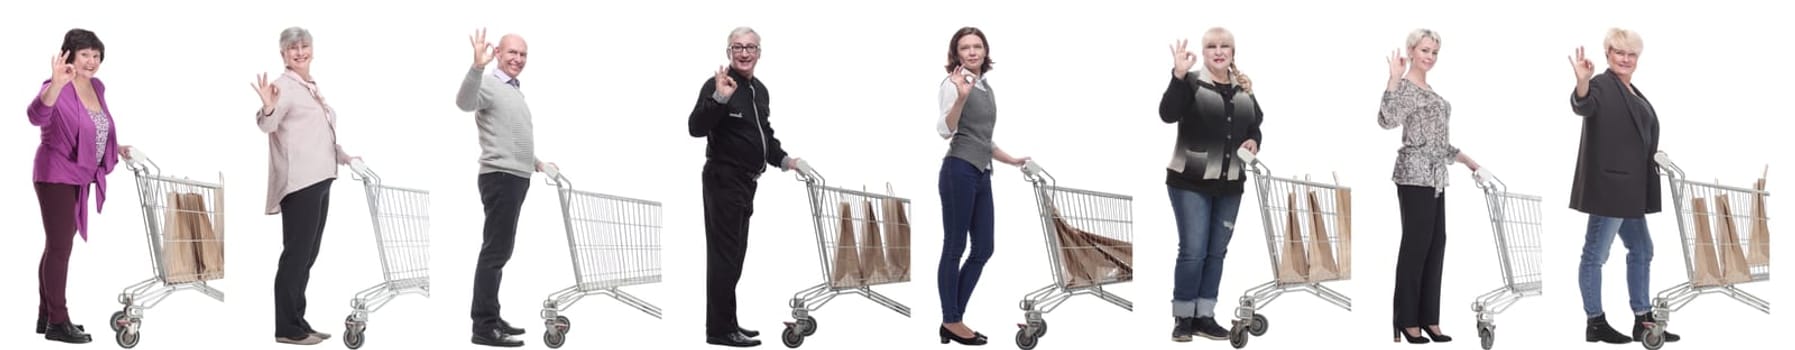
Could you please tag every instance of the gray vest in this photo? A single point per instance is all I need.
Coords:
(972, 137)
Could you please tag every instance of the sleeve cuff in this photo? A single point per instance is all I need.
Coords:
(718, 96)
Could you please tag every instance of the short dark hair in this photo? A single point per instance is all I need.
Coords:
(81, 39)
(953, 49)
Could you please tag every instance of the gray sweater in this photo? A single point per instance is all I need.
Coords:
(507, 142)
(971, 140)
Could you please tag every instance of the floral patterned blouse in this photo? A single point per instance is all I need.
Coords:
(1427, 151)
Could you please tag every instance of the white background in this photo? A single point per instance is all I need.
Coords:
(854, 91)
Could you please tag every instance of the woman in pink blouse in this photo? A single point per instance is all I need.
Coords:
(79, 147)
(302, 162)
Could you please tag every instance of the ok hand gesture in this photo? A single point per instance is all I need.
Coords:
(1182, 58)
(483, 50)
(1398, 65)
(725, 83)
(61, 72)
(962, 80)
(269, 93)
(1582, 66)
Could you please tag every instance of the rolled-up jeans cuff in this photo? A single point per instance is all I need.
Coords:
(1184, 308)
(1205, 307)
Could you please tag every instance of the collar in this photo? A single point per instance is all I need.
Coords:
(1204, 76)
(504, 78)
(295, 76)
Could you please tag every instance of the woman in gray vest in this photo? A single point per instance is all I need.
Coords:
(968, 114)
(1216, 114)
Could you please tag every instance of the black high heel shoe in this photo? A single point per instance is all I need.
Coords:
(1437, 338)
(947, 335)
(1411, 338)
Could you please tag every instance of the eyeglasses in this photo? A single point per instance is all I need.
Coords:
(744, 48)
(1624, 53)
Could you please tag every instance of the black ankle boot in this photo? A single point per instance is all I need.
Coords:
(66, 333)
(1599, 331)
(43, 325)
(1639, 322)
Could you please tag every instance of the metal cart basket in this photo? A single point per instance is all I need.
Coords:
(1745, 257)
(1089, 239)
(184, 222)
(401, 219)
(614, 242)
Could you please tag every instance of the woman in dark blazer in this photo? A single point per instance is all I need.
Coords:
(1616, 181)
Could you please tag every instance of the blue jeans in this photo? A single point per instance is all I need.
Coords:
(1205, 225)
(965, 211)
(1638, 240)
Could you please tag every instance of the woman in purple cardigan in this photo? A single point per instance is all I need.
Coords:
(79, 147)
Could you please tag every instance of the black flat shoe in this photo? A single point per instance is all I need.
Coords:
(41, 324)
(1598, 330)
(975, 340)
(735, 339)
(509, 330)
(747, 332)
(494, 337)
(1412, 339)
(1437, 338)
(67, 333)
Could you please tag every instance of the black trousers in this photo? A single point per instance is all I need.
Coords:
(503, 196)
(302, 231)
(1421, 258)
(728, 203)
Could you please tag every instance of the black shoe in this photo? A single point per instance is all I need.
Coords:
(41, 323)
(1207, 327)
(67, 333)
(947, 335)
(735, 339)
(1599, 331)
(1412, 339)
(1639, 322)
(1183, 328)
(1437, 338)
(495, 337)
(747, 332)
(509, 330)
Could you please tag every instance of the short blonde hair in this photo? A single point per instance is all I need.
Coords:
(1423, 33)
(1624, 39)
(1218, 34)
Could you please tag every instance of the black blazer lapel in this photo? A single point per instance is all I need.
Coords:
(1640, 118)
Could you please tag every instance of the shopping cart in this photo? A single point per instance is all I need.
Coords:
(182, 217)
(401, 218)
(1688, 197)
(1322, 211)
(1517, 222)
(826, 204)
(1090, 245)
(615, 242)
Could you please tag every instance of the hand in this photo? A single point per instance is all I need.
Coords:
(124, 152)
(1582, 66)
(544, 166)
(1398, 65)
(60, 71)
(1182, 58)
(725, 83)
(1251, 146)
(269, 93)
(1019, 161)
(483, 50)
(960, 78)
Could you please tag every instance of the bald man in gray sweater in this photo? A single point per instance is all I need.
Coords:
(507, 159)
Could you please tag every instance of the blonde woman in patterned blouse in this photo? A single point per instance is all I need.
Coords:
(1420, 176)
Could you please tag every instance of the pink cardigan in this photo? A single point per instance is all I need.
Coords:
(66, 154)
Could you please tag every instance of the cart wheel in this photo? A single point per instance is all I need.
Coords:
(791, 337)
(1487, 335)
(118, 320)
(1259, 325)
(1237, 336)
(1654, 338)
(354, 337)
(554, 338)
(127, 338)
(807, 326)
(1027, 341)
(1041, 329)
(564, 322)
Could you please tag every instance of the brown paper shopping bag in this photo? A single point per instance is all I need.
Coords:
(1321, 259)
(1343, 223)
(179, 262)
(1760, 229)
(847, 258)
(897, 241)
(1293, 266)
(207, 239)
(872, 249)
(1072, 260)
(1732, 257)
(1118, 257)
(1707, 267)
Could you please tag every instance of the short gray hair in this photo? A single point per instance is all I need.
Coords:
(740, 31)
(1423, 33)
(294, 35)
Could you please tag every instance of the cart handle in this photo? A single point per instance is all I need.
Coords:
(1033, 172)
(1668, 166)
(807, 174)
(362, 172)
(555, 178)
(139, 161)
(1252, 161)
(1487, 180)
